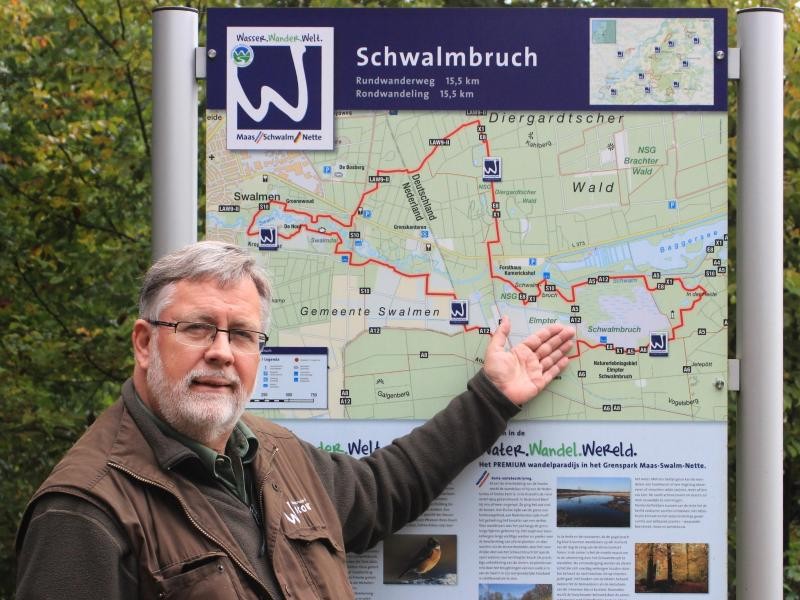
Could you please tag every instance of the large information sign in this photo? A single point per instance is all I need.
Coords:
(409, 176)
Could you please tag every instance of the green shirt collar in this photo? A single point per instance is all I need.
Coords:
(240, 450)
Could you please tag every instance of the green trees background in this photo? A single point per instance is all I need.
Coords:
(75, 222)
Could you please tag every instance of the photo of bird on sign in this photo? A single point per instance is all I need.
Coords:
(420, 559)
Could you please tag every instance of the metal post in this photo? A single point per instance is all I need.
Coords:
(175, 109)
(759, 324)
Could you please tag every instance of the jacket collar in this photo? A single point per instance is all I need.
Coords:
(142, 451)
(136, 427)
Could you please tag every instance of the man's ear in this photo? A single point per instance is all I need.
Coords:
(140, 337)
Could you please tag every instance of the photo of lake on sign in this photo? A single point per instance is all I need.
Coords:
(593, 502)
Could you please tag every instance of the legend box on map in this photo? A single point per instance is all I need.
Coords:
(294, 377)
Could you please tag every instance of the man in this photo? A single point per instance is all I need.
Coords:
(173, 493)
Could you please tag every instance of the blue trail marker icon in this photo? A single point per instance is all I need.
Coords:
(268, 238)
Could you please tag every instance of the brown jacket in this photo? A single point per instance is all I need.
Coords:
(184, 548)
(316, 506)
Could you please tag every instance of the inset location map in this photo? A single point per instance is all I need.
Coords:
(651, 61)
(400, 250)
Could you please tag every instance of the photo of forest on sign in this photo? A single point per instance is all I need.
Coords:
(672, 568)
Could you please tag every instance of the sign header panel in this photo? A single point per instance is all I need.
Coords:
(456, 59)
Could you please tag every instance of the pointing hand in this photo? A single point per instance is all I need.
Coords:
(524, 370)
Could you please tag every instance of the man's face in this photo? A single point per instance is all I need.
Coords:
(201, 392)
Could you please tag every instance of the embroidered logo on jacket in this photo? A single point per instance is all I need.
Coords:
(296, 509)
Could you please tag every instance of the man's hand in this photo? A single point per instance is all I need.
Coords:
(528, 367)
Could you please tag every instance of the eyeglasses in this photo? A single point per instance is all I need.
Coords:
(202, 335)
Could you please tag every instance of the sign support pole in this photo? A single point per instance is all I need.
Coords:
(175, 110)
(759, 325)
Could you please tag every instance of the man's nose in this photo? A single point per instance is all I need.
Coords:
(220, 350)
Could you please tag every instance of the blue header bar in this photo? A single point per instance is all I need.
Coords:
(480, 59)
(294, 350)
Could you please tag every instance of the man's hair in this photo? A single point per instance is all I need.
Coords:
(221, 263)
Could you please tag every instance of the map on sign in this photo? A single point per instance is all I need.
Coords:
(399, 251)
(651, 61)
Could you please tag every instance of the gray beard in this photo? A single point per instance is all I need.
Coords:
(203, 417)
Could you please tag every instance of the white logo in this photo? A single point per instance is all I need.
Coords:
(270, 96)
(296, 510)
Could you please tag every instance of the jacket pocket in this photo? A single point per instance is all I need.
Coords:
(311, 564)
(208, 577)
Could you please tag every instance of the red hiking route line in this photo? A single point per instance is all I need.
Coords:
(699, 290)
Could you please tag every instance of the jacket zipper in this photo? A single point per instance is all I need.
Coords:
(195, 523)
(255, 508)
(256, 514)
